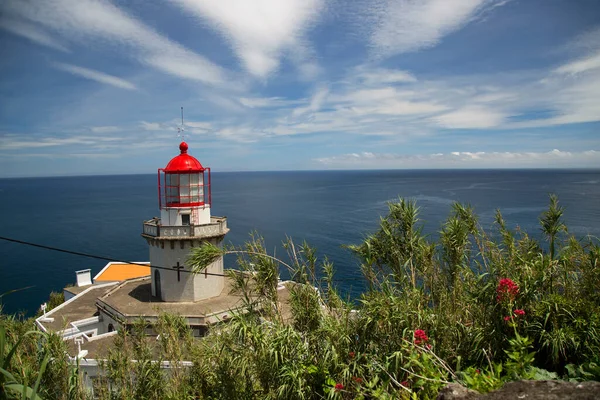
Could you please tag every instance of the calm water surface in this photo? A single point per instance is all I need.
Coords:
(103, 214)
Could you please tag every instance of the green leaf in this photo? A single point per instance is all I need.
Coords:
(8, 375)
(201, 257)
(2, 343)
(40, 374)
(14, 348)
(540, 374)
(26, 391)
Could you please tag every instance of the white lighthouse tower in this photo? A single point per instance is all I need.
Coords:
(184, 197)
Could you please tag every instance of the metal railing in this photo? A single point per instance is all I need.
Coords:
(153, 228)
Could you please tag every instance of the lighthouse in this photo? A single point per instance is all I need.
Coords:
(184, 200)
(122, 294)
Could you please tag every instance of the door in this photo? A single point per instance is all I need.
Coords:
(157, 284)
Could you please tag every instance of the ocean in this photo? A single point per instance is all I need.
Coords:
(103, 215)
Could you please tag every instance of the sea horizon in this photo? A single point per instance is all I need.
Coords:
(574, 169)
(103, 214)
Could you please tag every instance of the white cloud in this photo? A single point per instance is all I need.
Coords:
(586, 41)
(387, 100)
(471, 117)
(378, 76)
(401, 108)
(554, 158)
(198, 125)
(261, 102)
(587, 45)
(55, 156)
(409, 25)
(96, 76)
(104, 129)
(580, 65)
(32, 32)
(412, 107)
(260, 30)
(18, 142)
(315, 102)
(150, 126)
(98, 21)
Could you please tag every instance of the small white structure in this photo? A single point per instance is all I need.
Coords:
(84, 277)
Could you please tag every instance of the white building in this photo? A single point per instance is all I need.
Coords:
(185, 222)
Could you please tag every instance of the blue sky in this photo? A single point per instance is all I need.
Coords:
(95, 87)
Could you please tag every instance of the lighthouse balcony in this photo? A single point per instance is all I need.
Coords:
(154, 229)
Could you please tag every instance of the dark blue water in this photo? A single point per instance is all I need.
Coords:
(103, 214)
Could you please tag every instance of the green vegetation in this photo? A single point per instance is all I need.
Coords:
(479, 308)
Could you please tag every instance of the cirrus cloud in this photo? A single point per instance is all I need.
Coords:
(457, 159)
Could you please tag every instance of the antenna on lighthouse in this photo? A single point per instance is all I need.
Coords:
(180, 129)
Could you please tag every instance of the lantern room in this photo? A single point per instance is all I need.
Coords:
(184, 194)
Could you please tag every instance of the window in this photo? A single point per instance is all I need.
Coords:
(172, 189)
(185, 219)
(194, 188)
(184, 188)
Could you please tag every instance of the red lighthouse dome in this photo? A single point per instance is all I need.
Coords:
(184, 182)
(183, 162)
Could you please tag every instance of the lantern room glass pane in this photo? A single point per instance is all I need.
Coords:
(172, 189)
(194, 189)
(184, 188)
(172, 179)
(184, 179)
(201, 188)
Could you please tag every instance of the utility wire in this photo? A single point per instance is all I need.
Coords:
(97, 257)
(77, 253)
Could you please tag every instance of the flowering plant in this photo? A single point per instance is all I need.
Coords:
(507, 290)
(420, 336)
(519, 312)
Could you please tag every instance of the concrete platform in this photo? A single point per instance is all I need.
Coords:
(133, 299)
(76, 309)
(97, 349)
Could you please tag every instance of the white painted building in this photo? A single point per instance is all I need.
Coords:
(184, 201)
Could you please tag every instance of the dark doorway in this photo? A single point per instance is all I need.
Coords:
(111, 327)
(185, 219)
(157, 284)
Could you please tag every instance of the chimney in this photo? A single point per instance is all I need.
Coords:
(84, 277)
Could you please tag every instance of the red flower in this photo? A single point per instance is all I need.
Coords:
(405, 384)
(352, 354)
(428, 347)
(477, 371)
(338, 387)
(507, 290)
(420, 336)
(357, 379)
(507, 318)
(519, 312)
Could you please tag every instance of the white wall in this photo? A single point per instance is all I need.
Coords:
(190, 287)
(107, 319)
(172, 216)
